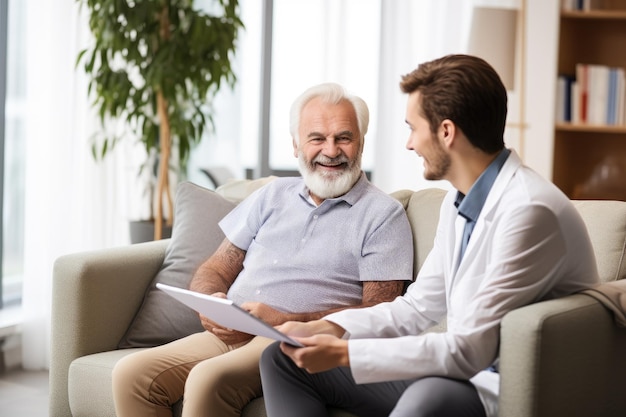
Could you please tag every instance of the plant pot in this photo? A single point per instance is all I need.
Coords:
(143, 231)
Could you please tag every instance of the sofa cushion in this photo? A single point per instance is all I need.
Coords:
(89, 383)
(422, 208)
(237, 190)
(195, 236)
(606, 223)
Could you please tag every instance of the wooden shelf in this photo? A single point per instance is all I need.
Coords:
(595, 14)
(569, 127)
(581, 151)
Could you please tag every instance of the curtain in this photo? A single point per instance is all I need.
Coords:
(411, 32)
(72, 204)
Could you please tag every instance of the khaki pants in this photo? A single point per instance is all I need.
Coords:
(215, 379)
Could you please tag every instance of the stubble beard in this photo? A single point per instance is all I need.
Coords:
(438, 163)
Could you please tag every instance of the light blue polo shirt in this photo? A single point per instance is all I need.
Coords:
(303, 258)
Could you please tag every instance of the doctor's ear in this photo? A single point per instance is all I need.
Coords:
(447, 131)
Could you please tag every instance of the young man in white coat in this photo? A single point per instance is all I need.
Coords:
(506, 238)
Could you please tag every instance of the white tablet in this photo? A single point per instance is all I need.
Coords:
(226, 313)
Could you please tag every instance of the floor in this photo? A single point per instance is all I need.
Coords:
(24, 393)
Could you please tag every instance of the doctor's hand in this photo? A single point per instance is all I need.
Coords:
(320, 352)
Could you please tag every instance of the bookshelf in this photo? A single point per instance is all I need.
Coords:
(589, 160)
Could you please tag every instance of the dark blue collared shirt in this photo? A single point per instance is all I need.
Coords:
(471, 205)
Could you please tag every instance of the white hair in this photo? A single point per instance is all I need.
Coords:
(330, 93)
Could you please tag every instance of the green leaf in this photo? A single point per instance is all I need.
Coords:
(131, 60)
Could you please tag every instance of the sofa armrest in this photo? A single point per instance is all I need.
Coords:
(95, 296)
(562, 357)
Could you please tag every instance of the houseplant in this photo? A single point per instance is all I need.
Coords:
(155, 65)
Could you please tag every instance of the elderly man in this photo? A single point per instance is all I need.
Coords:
(297, 249)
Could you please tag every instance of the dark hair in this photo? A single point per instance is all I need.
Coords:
(466, 90)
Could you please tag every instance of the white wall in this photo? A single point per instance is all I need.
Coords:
(541, 69)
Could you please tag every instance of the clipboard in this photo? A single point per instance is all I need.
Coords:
(226, 313)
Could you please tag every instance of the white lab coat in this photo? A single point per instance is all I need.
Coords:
(529, 244)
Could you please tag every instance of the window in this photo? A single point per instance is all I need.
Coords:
(317, 41)
(288, 46)
(13, 142)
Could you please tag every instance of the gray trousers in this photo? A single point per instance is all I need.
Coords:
(293, 392)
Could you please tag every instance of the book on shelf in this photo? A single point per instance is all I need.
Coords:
(596, 95)
(582, 84)
(581, 5)
(564, 105)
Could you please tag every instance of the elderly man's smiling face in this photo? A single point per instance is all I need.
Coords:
(329, 149)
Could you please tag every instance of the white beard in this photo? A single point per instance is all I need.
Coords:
(329, 184)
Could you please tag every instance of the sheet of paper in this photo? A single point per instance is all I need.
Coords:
(226, 313)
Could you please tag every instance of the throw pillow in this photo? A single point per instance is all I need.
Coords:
(195, 236)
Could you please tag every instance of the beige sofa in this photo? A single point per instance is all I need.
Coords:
(558, 358)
